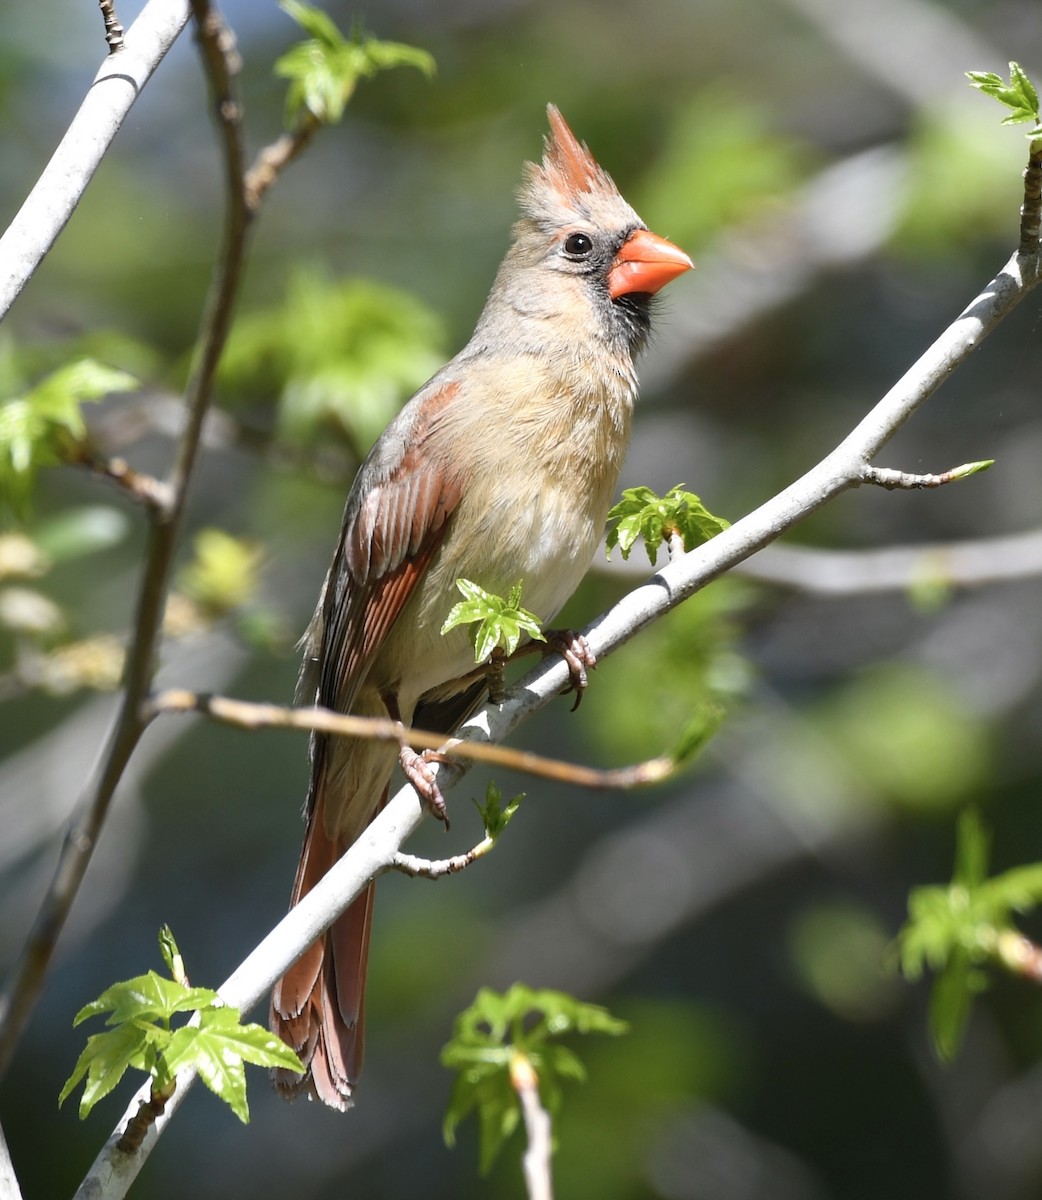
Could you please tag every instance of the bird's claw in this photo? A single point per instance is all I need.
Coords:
(578, 654)
(417, 770)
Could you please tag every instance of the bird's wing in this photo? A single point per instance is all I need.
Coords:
(394, 522)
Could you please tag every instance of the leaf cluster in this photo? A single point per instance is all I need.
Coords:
(495, 815)
(643, 514)
(141, 1011)
(324, 71)
(341, 356)
(487, 1038)
(955, 931)
(500, 622)
(43, 425)
(1019, 95)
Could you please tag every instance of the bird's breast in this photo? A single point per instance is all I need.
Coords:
(538, 483)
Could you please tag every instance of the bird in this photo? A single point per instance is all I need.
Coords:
(502, 467)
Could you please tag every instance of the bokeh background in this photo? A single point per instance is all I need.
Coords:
(845, 194)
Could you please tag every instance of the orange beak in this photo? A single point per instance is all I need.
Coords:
(645, 262)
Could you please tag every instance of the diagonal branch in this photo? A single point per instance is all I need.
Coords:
(116, 86)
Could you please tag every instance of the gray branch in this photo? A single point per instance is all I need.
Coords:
(116, 86)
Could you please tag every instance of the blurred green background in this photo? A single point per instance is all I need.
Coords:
(845, 194)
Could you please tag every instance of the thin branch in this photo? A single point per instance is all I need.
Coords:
(1031, 210)
(116, 86)
(273, 159)
(27, 977)
(437, 868)
(113, 28)
(245, 714)
(887, 477)
(536, 1160)
(144, 489)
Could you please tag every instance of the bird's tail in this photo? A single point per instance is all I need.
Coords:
(317, 1007)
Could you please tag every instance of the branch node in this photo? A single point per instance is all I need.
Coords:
(149, 1111)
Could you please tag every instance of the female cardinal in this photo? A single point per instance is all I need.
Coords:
(500, 468)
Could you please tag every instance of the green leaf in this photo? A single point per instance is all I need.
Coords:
(104, 1061)
(956, 930)
(643, 514)
(951, 1001)
(145, 998)
(973, 468)
(699, 731)
(495, 816)
(325, 70)
(341, 356)
(314, 22)
(1019, 95)
(486, 1038)
(500, 622)
(37, 427)
(971, 850)
(171, 955)
(220, 1046)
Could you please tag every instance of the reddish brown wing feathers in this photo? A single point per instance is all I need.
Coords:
(394, 522)
(386, 547)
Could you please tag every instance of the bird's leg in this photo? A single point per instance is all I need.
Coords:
(576, 651)
(496, 676)
(417, 766)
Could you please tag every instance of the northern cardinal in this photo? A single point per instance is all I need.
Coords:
(501, 468)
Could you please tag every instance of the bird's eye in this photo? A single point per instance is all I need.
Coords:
(578, 244)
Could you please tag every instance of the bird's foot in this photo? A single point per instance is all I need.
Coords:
(417, 770)
(577, 653)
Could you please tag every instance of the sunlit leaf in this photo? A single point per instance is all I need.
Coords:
(324, 71)
(491, 1033)
(643, 514)
(500, 623)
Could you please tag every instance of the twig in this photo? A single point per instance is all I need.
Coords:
(113, 29)
(1020, 955)
(248, 715)
(536, 1160)
(273, 159)
(149, 1111)
(437, 868)
(892, 480)
(26, 979)
(116, 86)
(1031, 210)
(145, 489)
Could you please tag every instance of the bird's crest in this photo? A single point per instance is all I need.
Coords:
(568, 177)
